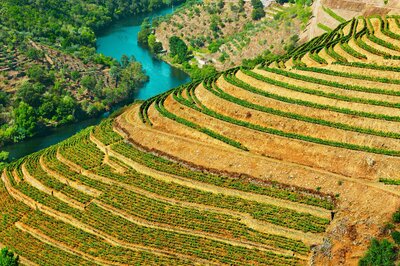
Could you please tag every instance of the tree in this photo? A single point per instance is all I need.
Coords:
(257, 14)
(38, 73)
(396, 217)
(258, 10)
(34, 54)
(4, 157)
(124, 61)
(66, 109)
(115, 72)
(25, 120)
(178, 49)
(31, 93)
(89, 82)
(133, 76)
(7, 258)
(396, 237)
(155, 47)
(380, 253)
(241, 6)
(145, 31)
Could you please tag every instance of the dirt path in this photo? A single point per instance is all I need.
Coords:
(76, 185)
(362, 107)
(306, 59)
(334, 90)
(245, 218)
(117, 167)
(338, 49)
(352, 162)
(316, 211)
(351, 81)
(354, 194)
(261, 226)
(229, 241)
(379, 47)
(174, 141)
(388, 74)
(59, 245)
(37, 184)
(239, 112)
(324, 55)
(167, 125)
(16, 176)
(356, 121)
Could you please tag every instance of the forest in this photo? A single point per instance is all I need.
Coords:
(50, 73)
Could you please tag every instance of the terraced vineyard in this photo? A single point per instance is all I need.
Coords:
(292, 162)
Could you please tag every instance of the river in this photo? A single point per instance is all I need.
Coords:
(118, 39)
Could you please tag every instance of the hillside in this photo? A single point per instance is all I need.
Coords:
(50, 71)
(43, 87)
(294, 162)
(223, 33)
(328, 14)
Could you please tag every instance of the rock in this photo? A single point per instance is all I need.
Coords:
(370, 161)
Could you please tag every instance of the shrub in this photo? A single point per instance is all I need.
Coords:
(178, 48)
(396, 217)
(4, 156)
(380, 253)
(396, 237)
(7, 258)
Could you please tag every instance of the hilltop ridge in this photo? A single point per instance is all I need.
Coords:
(293, 162)
(328, 14)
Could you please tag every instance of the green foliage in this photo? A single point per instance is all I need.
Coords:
(396, 237)
(4, 156)
(178, 49)
(144, 33)
(7, 258)
(388, 181)
(25, 120)
(380, 253)
(196, 72)
(38, 73)
(331, 13)
(70, 24)
(258, 10)
(215, 45)
(154, 45)
(396, 217)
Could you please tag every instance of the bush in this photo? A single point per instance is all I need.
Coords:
(7, 258)
(380, 253)
(4, 156)
(396, 237)
(396, 217)
(178, 48)
(257, 14)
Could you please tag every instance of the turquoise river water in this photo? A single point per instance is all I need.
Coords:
(118, 39)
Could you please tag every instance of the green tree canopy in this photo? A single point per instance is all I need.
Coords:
(178, 48)
(7, 258)
(380, 253)
(25, 120)
(145, 31)
(154, 45)
(258, 10)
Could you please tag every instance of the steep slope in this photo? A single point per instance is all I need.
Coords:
(290, 163)
(223, 33)
(328, 14)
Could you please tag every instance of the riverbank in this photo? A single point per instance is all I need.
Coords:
(118, 39)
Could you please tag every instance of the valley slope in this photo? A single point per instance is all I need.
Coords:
(294, 162)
